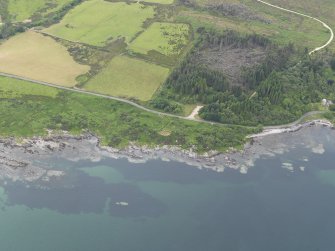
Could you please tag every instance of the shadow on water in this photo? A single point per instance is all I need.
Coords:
(86, 195)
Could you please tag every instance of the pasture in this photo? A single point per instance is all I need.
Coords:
(96, 22)
(166, 38)
(128, 77)
(21, 10)
(38, 57)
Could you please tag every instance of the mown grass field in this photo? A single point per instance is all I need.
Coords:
(128, 77)
(21, 10)
(96, 22)
(165, 38)
(28, 109)
(38, 57)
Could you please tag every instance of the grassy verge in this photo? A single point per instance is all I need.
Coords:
(28, 109)
(327, 115)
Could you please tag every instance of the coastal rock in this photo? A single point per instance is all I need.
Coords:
(27, 159)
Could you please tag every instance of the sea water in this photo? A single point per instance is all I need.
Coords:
(285, 202)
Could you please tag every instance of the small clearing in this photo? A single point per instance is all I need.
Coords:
(195, 112)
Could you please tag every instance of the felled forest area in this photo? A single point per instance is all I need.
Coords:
(248, 80)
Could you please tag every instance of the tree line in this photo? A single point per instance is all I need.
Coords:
(285, 85)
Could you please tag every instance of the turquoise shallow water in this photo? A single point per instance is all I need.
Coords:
(175, 207)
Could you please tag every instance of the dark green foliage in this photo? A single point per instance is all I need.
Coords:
(277, 59)
(272, 88)
(278, 90)
(210, 38)
(332, 63)
(283, 97)
(332, 107)
(196, 83)
(192, 82)
(166, 105)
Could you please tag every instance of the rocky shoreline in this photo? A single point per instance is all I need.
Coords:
(29, 159)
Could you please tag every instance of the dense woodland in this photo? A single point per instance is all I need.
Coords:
(287, 84)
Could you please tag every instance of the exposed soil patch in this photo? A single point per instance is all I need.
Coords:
(165, 133)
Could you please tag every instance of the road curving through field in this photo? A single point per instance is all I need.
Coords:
(78, 90)
(304, 15)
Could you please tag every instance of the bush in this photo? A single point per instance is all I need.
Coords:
(332, 107)
(166, 105)
(332, 64)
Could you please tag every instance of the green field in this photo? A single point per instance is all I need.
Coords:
(128, 77)
(12, 88)
(21, 10)
(165, 38)
(38, 57)
(96, 22)
(28, 109)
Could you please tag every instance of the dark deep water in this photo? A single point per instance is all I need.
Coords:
(172, 206)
